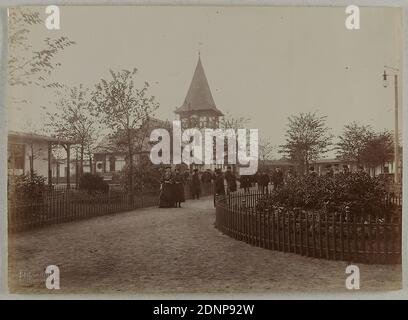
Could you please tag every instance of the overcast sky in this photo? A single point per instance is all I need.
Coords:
(261, 63)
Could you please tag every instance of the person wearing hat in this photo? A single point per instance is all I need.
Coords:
(178, 188)
(265, 179)
(291, 173)
(231, 180)
(346, 169)
(245, 182)
(329, 171)
(195, 185)
(277, 179)
(312, 172)
(219, 187)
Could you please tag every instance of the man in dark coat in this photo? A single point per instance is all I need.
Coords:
(231, 180)
(291, 174)
(219, 188)
(329, 171)
(264, 181)
(277, 179)
(195, 185)
(346, 169)
(312, 172)
(206, 177)
(245, 182)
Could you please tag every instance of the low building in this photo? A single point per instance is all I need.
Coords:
(110, 157)
(60, 170)
(32, 153)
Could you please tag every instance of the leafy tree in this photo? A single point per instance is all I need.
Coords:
(28, 65)
(378, 150)
(125, 110)
(75, 120)
(307, 138)
(353, 142)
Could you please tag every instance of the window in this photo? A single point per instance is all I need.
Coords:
(184, 123)
(16, 156)
(112, 162)
(203, 122)
(194, 121)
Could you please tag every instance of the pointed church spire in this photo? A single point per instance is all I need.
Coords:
(199, 97)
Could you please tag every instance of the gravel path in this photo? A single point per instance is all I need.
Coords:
(170, 251)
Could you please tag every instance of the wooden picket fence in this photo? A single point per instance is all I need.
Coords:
(71, 205)
(367, 238)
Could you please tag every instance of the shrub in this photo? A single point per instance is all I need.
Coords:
(356, 193)
(146, 176)
(26, 187)
(93, 183)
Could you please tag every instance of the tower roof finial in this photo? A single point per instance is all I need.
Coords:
(199, 51)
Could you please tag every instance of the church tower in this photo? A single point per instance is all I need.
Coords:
(199, 109)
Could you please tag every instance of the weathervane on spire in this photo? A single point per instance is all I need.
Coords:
(199, 50)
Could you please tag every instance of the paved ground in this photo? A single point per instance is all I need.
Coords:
(170, 251)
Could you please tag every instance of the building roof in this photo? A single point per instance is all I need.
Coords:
(276, 162)
(330, 161)
(23, 136)
(199, 97)
(111, 143)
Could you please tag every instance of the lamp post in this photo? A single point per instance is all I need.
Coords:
(396, 138)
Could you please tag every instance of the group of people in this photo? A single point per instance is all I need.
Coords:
(172, 183)
(171, 189)
(263, 178)
(330, 172)
(172, 192)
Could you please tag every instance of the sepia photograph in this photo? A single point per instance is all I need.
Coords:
(204, 149)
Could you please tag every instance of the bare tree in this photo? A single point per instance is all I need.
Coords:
(75, 119)
(307, 138)
(230, 122)
(125, 110)
(28, 65)
(265, 149)
(35, 149)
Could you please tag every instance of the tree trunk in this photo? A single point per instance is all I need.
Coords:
(31, 166)
(32, 161)
(131, 167)
(76, 170)
(58, 169)
(90, 163)
(305, 166)
(81, 163)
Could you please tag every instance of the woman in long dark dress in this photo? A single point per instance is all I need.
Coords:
(178, 188)
(166, 199)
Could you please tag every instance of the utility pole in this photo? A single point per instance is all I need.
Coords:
(396, 130)
(396, 137)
